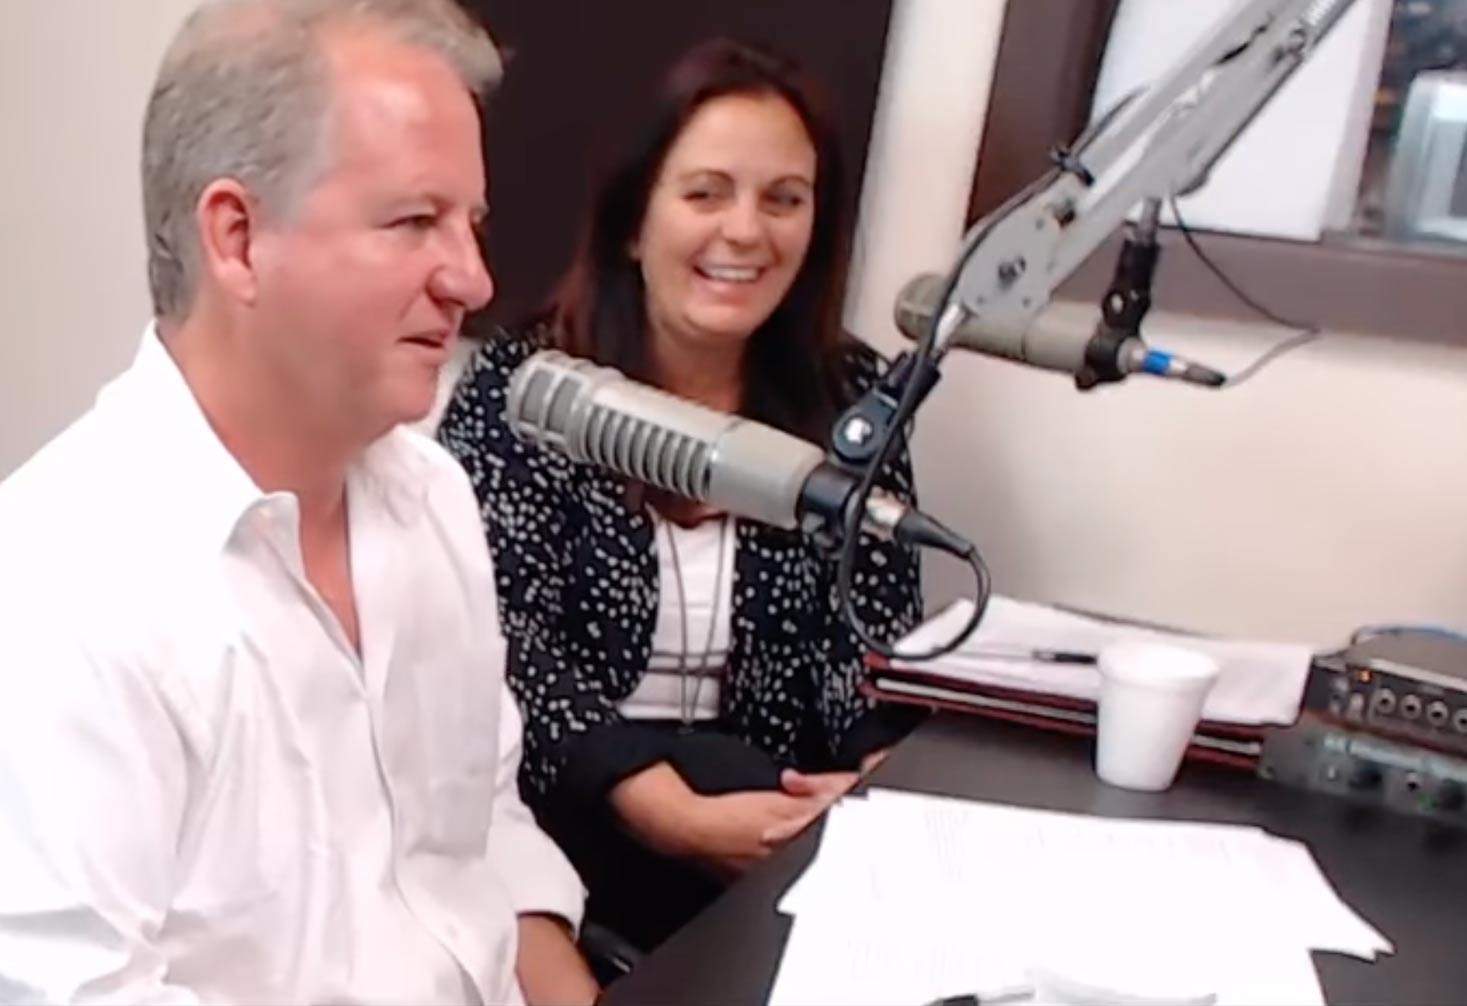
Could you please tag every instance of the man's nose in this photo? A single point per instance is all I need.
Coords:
(463, 276)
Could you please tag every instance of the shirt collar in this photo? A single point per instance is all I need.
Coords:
(198, 483)
(212, 490)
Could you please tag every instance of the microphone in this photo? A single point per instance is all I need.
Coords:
(1049, 347)
(596, 415)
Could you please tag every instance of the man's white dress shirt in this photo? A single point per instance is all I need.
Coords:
(205, 794)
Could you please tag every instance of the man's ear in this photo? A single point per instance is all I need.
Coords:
(228, 218)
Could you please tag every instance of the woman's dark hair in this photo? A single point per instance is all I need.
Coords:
(792, 373)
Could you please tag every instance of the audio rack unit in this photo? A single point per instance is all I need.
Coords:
(1384, 723)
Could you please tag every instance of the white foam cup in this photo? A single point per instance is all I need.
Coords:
(1151, 697)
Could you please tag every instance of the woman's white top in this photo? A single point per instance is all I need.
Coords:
(678, 677)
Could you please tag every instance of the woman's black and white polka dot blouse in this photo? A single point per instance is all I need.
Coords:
(578, 591)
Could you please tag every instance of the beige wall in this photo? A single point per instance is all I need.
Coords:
(74, 76)
(934, 89)
(1329, 492)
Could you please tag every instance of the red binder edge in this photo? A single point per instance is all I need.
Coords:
(879, 667)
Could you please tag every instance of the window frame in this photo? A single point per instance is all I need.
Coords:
(1048, 63)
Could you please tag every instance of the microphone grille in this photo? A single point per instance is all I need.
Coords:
(648, 452)
(542, 397)
(593, 414)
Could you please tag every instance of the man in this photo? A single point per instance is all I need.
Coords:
(255, 744)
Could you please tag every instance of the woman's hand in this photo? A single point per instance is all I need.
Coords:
(727, 833)
(872, 761)
(830, 786)
(823, 788)
(827, 787)
(740, 829)
(656, 806)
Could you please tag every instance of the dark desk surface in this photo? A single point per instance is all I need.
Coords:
(1406, 878)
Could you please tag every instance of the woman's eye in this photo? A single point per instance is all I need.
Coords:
(787, 200)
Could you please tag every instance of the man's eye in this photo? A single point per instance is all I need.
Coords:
(416, 221)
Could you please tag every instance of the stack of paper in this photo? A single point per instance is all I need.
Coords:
(1260, 683)
(915, 898)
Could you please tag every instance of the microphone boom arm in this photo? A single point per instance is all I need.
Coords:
(1160, 142)
(1157, 143)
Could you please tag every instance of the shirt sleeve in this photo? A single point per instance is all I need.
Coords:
(537, 874)
(92, 791)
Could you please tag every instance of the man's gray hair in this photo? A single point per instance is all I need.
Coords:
(243, 93)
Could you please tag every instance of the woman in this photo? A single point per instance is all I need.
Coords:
(688, 685)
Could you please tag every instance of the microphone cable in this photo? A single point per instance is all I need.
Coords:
(891, 436)
(924, 363)
(1305, 332)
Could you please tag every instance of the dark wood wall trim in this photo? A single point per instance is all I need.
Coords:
(1362, 289)
(1048, 64)
(579, 75)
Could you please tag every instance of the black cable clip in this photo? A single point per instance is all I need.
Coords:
(863, 429)
(1065, 159)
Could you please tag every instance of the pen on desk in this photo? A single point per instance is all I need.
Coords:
(1039, 656)
(1013, 994)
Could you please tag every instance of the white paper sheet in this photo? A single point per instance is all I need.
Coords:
(912, 898)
